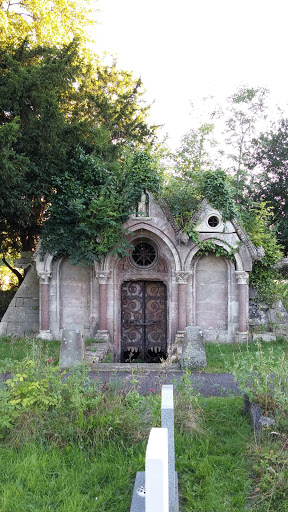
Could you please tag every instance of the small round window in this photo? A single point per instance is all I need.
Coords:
(213, 221)
(144, 254)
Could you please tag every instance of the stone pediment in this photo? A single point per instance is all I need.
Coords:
(209, 220)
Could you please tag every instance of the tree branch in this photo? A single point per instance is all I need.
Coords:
(16, 272)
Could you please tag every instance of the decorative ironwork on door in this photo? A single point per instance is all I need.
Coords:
(144, 320)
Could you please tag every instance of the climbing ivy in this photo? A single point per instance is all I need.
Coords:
(216, 189)
(211, 246)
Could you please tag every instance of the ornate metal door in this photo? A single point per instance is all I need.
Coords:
(144, 319)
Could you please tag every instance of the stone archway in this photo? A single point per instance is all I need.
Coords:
(211, 292)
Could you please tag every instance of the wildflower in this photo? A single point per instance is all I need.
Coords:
(151, 389)
(49, 360)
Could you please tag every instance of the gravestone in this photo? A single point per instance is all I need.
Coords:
(72, 348)
(167, 421)
(158, 461)
(193, 352)
(156, 472)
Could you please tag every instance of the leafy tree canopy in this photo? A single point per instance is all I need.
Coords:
(270, 177)
(93, 198)
(57, 113)
(48, 22)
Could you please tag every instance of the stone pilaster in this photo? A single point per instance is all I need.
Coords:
(44, 333)
(181, 279)
(242, 278)
(102, 332)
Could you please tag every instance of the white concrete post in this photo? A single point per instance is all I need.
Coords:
(156, 472)
(167, 421)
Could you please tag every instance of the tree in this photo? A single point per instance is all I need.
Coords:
(93, 198)
(269, 163)
(183, 184)
(44, 22)
(47, 124)
(246, 108)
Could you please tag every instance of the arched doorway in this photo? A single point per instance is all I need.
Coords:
(143, 321)
(211, 305)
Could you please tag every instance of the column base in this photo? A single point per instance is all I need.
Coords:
(45, 335)
(242, 336)
(103, 336)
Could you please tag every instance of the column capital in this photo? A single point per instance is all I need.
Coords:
(182, 276)
(242, 277)
(44, 276)
(102, 276)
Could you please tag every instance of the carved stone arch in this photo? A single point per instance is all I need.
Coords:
(163, 240)
(188, 264)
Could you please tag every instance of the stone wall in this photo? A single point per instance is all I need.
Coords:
(22, 315)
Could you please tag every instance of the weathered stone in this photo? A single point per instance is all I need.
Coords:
(193, 354)
(72, 348)
(96, 352)
(22, 316)
(258, 421)
(263, 336)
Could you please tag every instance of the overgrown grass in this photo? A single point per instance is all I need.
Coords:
(18, 348)
(221, 357)
(72, 443)
(212, 465)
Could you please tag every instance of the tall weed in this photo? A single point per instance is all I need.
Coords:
(264, 378)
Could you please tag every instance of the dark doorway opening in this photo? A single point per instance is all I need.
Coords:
(144, 321)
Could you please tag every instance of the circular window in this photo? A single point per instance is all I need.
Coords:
(144, 254)
(213, 221)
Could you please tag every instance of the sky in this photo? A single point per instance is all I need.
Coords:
(187, 49)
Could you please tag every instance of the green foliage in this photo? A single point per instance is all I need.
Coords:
(64, 124)
(218, 193)
(257, 223)
(192, 158)
(264, 378)
(246, 106)
(44, 22)
(94, 198)
(183, 197)
(269, 184)
(211, 246)
(221, 356)
(271, 473)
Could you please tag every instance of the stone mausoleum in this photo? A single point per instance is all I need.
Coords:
(142, 303)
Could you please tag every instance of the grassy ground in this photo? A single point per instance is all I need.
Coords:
(220, 357)
(19, 348)
(74, 445)
(77, 478)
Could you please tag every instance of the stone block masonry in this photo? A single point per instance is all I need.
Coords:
(22, 315)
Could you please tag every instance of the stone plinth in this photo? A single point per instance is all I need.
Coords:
(193, 353)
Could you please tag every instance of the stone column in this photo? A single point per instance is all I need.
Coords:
(44, 332)
(102, 332)
(242, 278)
(181, 278)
